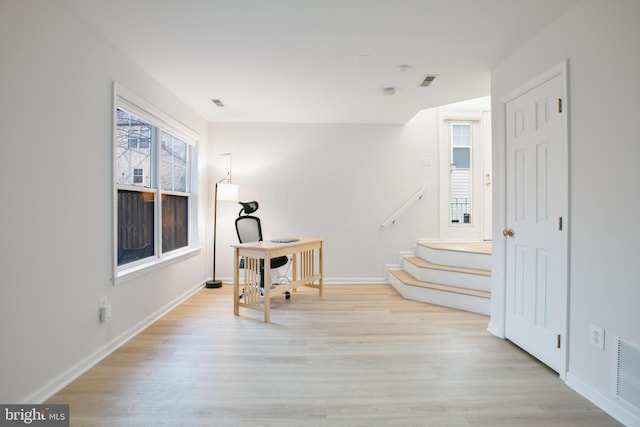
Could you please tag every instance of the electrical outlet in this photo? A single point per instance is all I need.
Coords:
(596, 336)
(105, 313)
(104, 310)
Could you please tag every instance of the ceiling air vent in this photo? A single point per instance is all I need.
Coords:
(428, 79)
(217, 102)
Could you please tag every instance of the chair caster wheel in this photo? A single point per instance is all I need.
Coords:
(287, 295)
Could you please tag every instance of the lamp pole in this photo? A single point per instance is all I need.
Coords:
(214, 283)
(224, 190)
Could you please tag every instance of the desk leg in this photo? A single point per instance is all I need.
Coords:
(236, 282)
(294, 269)
(321, 270)
(267, 290)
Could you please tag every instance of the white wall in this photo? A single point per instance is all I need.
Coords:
(56, 214)
(338, 182)
(600, 41)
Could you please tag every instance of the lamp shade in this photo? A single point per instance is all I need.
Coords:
(227, 191)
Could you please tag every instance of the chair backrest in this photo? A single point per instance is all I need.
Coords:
(248, 229)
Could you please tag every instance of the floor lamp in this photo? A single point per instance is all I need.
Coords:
(225, 191)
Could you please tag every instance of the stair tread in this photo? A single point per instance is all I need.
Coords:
(408, 279)
(472, 247)
(423, 263)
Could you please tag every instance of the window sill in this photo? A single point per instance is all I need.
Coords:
(139, 270)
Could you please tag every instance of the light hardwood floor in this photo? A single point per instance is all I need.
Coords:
(361, 355)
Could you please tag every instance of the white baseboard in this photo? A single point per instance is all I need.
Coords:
(336, 280)
(66, 377)
(355, 281)
(495, 330)
(617, 409)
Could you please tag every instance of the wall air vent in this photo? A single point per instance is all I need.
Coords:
(217, 102)
(628, 387)
(428, 79)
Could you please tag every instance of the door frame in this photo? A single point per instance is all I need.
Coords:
(477, 117)
(497, 324)
(487, 176)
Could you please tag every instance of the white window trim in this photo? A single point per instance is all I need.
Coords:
(468, 147)
(139, 270)
(123, 98)
(136, 105)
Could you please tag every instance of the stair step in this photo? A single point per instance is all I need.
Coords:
(473, 247)
(408, 279)
(476, 255)
(423, 263)
(449, 274)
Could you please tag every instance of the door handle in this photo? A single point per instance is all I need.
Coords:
(508, 232)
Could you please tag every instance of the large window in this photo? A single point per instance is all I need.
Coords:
(153, 181)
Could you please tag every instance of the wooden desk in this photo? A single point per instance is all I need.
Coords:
(306, 259)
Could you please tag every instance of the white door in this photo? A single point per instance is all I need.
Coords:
(534, 246)
(462, 208)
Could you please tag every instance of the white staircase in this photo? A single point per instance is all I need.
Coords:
(451, 274)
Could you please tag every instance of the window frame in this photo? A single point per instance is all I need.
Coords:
(468, 147)
(139, 176)
(161, 122)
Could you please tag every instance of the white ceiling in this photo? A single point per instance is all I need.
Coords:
(319, 61)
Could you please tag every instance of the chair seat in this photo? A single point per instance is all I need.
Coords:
(279, 261)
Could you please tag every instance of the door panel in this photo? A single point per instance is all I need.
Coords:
(534, 203)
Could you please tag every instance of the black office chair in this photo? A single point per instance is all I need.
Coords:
(249, 229)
